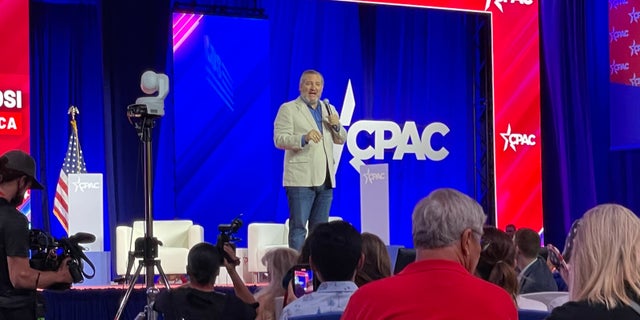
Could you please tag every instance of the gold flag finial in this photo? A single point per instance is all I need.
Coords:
(73, 110)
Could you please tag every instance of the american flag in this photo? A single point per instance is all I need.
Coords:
(73, 163)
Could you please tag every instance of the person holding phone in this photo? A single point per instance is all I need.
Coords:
(335, 254)
(603, 273)
(556, 264)
(278, 262)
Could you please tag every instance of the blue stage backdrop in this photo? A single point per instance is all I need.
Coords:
(406, 69)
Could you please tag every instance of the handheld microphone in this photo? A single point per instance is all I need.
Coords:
(326, 105)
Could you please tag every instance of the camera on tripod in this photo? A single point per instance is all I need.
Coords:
(227, 235)
(48, 253)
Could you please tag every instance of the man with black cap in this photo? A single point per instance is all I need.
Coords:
(18, 281)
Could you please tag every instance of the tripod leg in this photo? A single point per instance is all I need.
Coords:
(163, 276)
(131, 259)
(125, 298)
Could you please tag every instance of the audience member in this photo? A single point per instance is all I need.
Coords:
(497, 265)
(287, 281)
(604, 278)
(544, 255)
(510, 229)
(198, 299)
(534, 275)
(278, 262)
(447, 226)
(335, 255)
(377, 264)
(497, 260)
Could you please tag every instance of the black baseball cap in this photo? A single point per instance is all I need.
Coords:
(18, 160)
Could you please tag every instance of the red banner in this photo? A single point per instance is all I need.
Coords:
(624, 42)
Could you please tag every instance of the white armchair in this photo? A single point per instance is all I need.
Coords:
(263, 237)
(177, 237)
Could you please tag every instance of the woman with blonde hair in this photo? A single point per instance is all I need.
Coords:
(278, 262)
(604, 267)
(377, 264)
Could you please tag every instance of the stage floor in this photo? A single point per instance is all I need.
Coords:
(102, 302)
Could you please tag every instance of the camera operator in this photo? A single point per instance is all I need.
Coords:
(18, 281)
(198, 298)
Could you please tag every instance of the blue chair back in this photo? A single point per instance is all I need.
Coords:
(321, 316)
(532, 314)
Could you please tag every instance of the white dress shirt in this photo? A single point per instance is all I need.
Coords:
(331, 296)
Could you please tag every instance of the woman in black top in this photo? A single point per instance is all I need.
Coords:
(604, 270)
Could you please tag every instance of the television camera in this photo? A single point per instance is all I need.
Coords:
(227, 235)
(47, 254)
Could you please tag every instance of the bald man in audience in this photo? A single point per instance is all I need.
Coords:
(447, 227)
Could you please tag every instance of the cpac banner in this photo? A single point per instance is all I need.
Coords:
(624, 73)
(14, 75)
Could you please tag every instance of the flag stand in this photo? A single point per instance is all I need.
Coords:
(147, 246)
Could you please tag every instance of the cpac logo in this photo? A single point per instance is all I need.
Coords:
(635, 81)
(615, 35)
(614, 4)
(635, 48)
(498, 3)
(371, 177)
(82, 186)
(387, 135)
(614, 68)
(218, 76)
(404, 140)
(11, 99)
(514, 139)
(635, 15)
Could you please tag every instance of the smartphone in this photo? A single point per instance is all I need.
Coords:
(302, 280)
(555, 257)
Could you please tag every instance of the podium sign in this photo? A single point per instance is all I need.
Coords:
(374, 200)
(85, 207)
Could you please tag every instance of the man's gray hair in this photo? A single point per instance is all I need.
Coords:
(440, 218)
(310, 71)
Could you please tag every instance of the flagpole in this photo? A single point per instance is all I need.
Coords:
(73, 111)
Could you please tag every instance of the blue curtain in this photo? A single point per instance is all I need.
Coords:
(579, 169)
(66, 69)
(135, 38)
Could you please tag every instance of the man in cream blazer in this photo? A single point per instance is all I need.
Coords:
(306, 128)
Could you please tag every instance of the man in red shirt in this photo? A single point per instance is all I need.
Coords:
(447, 226)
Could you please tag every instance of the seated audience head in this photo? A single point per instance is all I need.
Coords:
(441, 283)
(335, 251)
(497, 260)
(377, 264)
(278, 262)
(448, 224)
(527, 243)
(605, 258)
(203, 263)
